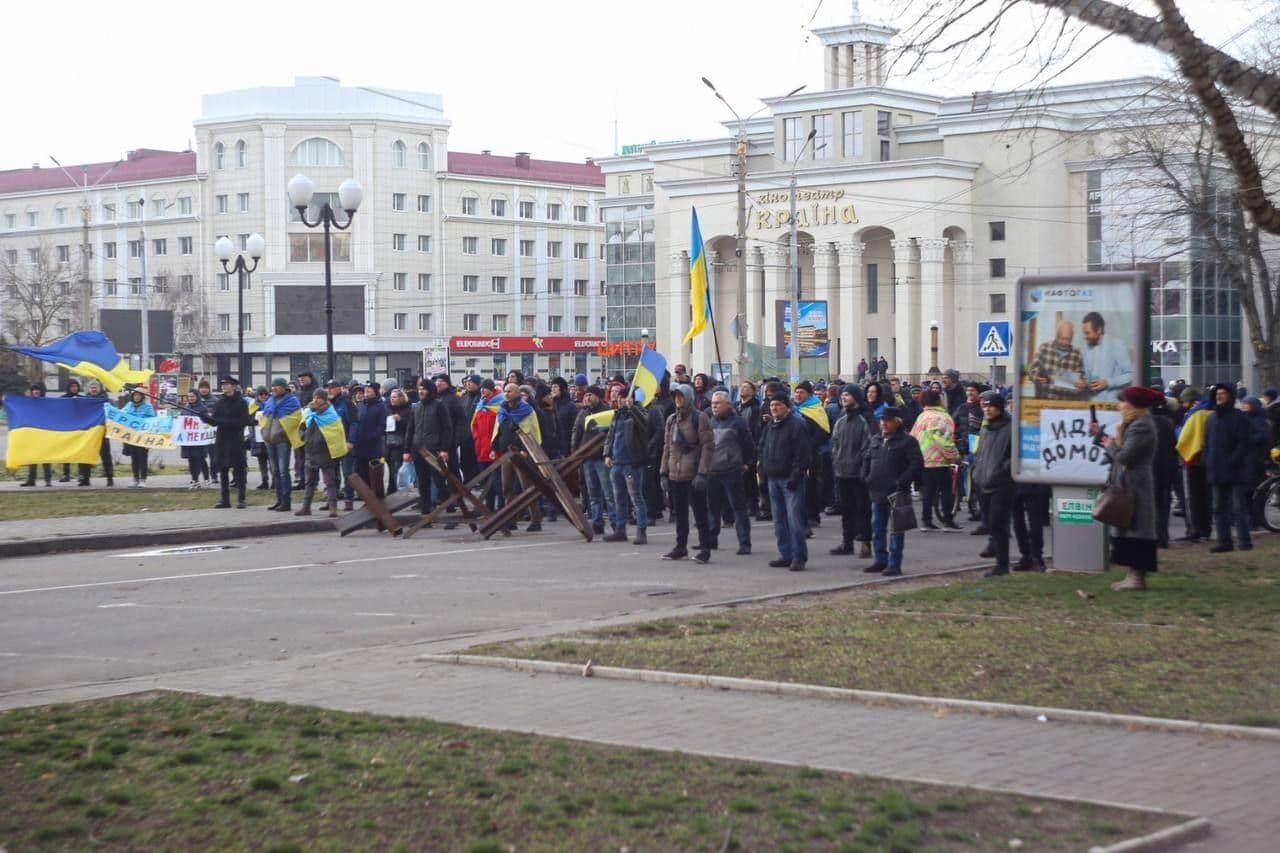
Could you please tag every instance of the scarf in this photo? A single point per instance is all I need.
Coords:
(816, 412)
(1127, 418)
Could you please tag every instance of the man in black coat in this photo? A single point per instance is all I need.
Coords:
(892, 463)
(749, 409)
(1225, 459)
(786, 452)
(993, 474)
(461, 419)
(230, 415)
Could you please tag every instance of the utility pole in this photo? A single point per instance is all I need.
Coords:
(86, 283)
(795, 267)
(741, 252)
(146, 332)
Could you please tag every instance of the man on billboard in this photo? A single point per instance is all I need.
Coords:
(1056, 370)
(1108, 367)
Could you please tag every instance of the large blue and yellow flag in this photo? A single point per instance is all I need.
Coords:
(54, 429)
(89, 354)
(330, 426)
(644, 385)
(699, 293)
(813, 410)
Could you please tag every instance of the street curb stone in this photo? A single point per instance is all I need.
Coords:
(111, 541)
(1169, 838)
(870, 697)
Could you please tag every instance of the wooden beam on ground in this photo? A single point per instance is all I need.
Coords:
(521, 502)
(560, 493)
(373, 505)
(472, 508)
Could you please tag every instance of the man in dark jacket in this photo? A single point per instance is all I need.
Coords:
(892, 463)
(850, 438)
(595, 475)
(566, 412)
(968, 418)
(230, 415)
(306, 390)
(993, 474)
(367, 439)
(659, 410)
(749, 409)
(1226, 455)
(1165, 469)
(467, 462)
(626, 455)
(733, 452)
(94, 389)
(952, 389)
(461, 418)
(346, 412)
(786, 452)
(430, 430)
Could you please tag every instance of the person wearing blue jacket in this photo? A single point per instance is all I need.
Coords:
(346, 412)
(281, 404)
(367, 437)
(139, 407)
(1226, 454)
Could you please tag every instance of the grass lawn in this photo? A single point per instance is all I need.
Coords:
(1201, 643)
(183, 772)
(68, 500)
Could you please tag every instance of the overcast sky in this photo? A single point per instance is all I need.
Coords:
(89, 81)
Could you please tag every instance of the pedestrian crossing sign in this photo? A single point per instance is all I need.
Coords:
(993, 339)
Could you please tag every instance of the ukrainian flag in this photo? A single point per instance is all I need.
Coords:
(644, 385)
(292, 426)
(814, 411)
(330, 425)
(54, 429)
(699, 294)
(89, 354)
(600, 420)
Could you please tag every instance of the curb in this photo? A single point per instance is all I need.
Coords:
(1164, 839)
(841, 587)
(870, 697)
(111, 541)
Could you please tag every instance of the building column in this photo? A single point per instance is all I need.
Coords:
(954, 343)
(906, 309)
(932, 251)
(678, 305)
(853, 302)
(777, 285)
(825, 287)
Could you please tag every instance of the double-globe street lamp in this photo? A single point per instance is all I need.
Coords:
(225, 250)
(301, 189)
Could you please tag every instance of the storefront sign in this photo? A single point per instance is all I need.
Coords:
(616, 349)
(813, 208)
(1164, 346)
(1076, 510)
(502, 343)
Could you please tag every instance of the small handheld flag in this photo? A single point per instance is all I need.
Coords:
(648, 376)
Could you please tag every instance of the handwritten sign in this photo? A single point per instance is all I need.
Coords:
(188, 430)
(1066, 449)
(139, 431)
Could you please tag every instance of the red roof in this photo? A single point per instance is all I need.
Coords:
(144, 164)
(523, 167)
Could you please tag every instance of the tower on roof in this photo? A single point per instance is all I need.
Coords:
(854, 53)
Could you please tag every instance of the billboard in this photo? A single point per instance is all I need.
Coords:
(1078, 341)
(814, 340)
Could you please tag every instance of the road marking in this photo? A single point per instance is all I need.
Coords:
(265, 569)
(365, 613)
(122, 604)
(402, 577)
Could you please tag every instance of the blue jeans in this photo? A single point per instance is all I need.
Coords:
(599, 492)
(348, 467)
(628, 484)
(281, 455)
(789, 522)
(1231, 509)
(890, 556)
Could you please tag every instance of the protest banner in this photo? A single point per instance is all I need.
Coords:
(139, 431)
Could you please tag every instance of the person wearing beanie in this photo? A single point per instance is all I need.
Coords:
(892, 463)
(626, 455)
(367, 441)
(685, 464)
(1259, 445)
(1226, 450)
(850, 438)
(275, 409)
(590, 422)
(461, 425)
(229, 414)
(257, 447)
(993, 475)
(1191, 428)
(468, 462)
(786, 453)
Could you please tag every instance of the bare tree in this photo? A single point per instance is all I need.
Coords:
(38, 296)
(192, 329)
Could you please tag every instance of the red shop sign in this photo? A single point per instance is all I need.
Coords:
(505, 343)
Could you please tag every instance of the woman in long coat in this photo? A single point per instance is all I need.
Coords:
(1132, 452)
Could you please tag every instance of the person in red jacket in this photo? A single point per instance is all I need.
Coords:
(482, 420)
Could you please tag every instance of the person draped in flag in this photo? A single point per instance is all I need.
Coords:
(515, 415)
(322, 437)
(38, 389)
(818, 428)
(281, 430)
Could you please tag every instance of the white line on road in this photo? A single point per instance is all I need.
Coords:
(402, 577)
(365, 613)
(121, 604)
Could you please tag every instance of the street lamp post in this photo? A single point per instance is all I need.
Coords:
(224, 249)
(795, 266)
(301, 189)
(933, 348)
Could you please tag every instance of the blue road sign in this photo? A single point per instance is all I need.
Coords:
(993, 339)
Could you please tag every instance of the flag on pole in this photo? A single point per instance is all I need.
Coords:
(89, 354)
(644, 385)
(699, 293)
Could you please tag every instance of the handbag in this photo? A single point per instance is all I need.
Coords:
(1116, 504)
(904, 514)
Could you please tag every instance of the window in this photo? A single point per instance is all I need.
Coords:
(219, 153)
(470, 322)
(398, 242)
(580, 288)
(884, 150)
(220, 203)
(185, 245)
(160, 283)
(135, 248)
(242, 240)
(526, 210)
(184, 205)
(110, 287)
(873, 288)
(497, 207)
(581, 251)
(158, 207)
(224, 281)
(11, 220)
(497, 246)
(224, 322)
(399, 321)
(109, 250)
(246, 322)
(526, 248)
(553, 248)
(997, 303)
(160, 247)
(526, 286)
(997, 267)
(498, 284)
(399, 155)
(400, 281)
(134, 208)
(310, 247)
(108, 213)
(997, 230)
(315, 152)
(424, 281)
(469, 245)
(424, 243)
(242, 154)
(884, 122)
(471, 284)
(499, 322)
(424, 322)
(242, 202)
(186, 283)
(822, 138)
(11, 256)
(33, 255)
(135, 285)
(60, 215)
(580, 324)
(579, 213)
(397, 201)
(555, 323)
(792, 139)
(424, 156)
(553, 212)
(553, 286)
(603, 325)
(64, 289)
(33, 218)
(526, 324)
(424, 204)
(63, 254)
(468, 206)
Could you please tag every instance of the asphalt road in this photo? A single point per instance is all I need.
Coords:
(77, 618)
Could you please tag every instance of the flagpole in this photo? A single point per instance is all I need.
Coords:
(711, 315)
